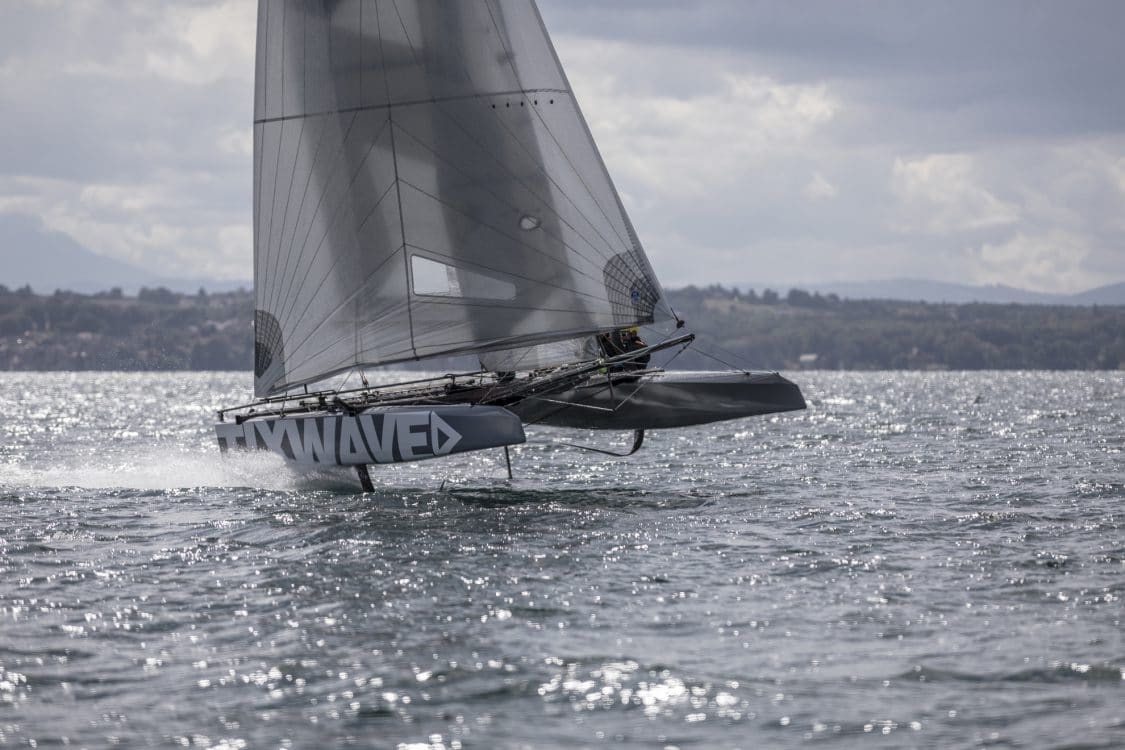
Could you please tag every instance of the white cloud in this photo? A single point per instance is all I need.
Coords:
(128, 130)
(160, 226)
(818, 187)
(942, 194)
(237, 141)
(205, 43)
(1050, 262)
(694, 143)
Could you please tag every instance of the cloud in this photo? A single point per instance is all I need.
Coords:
(751, 141)
(818, 187)
(687, 143)
(1052, 262)
(942, 194)
(164, 225)
(127, 128)
(205, 44)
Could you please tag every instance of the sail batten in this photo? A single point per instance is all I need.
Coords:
(426, 185)
(422, 102)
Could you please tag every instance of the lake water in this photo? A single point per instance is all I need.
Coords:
(917, 560)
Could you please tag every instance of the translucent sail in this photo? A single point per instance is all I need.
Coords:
(426, 185)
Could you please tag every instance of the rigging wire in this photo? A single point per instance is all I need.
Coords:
(715, 357)
(608, 385)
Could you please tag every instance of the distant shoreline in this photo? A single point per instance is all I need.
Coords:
(160, 330)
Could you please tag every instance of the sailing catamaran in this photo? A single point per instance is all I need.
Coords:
(425, 185)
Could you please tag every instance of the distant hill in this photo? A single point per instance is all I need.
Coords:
(31, 254)
(162, 330)
(919, 290)
(1113, 294)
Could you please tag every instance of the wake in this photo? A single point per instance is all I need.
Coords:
(168, 468)
(160, 469)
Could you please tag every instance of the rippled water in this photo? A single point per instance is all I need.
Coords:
(918, 560)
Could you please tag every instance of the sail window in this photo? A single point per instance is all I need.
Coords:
(434, 279)
(529, 223)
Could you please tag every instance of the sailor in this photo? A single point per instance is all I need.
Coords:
(623, 341)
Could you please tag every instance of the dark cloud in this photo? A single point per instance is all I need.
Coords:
(1002, 68)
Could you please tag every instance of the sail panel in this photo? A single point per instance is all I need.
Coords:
(529, 358)
(404, 135)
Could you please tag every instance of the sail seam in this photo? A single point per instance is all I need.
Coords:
(544, 201)
(565, 194)
(312, 219)
(589, 134)
(545, 204)
(282, 279)
(578, 174)
(289, 190)
(634, 243)
(502, 233)
(408, 103)
(331, 224)
(328, 272)
(509, 55)
(332, 344)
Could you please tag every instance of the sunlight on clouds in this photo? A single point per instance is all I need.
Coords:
(144, 224)
(121, 199)
(238, 142)
(695, 143)
(233, 245)
(206, 43)
(819, 187)
(940, 194)
(1051, 262)
(192, 44)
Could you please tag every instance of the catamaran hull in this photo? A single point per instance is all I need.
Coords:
(380, 435)
(663, 400)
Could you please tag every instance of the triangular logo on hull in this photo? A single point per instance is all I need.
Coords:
(443, 438)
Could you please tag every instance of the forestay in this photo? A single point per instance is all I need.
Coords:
(425, 184)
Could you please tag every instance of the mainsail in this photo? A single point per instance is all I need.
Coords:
(425, 185)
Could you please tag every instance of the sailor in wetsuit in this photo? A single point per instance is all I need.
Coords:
(623, 341)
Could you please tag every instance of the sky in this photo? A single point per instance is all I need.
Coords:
(752, 142)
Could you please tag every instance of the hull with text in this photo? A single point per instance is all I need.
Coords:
(380, 435)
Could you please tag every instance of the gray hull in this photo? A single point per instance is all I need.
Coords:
(379, 435)
(662, 400)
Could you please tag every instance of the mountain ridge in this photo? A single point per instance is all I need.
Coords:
(47, 260)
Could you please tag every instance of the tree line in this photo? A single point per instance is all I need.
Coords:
(162, 330)
(799, 329)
